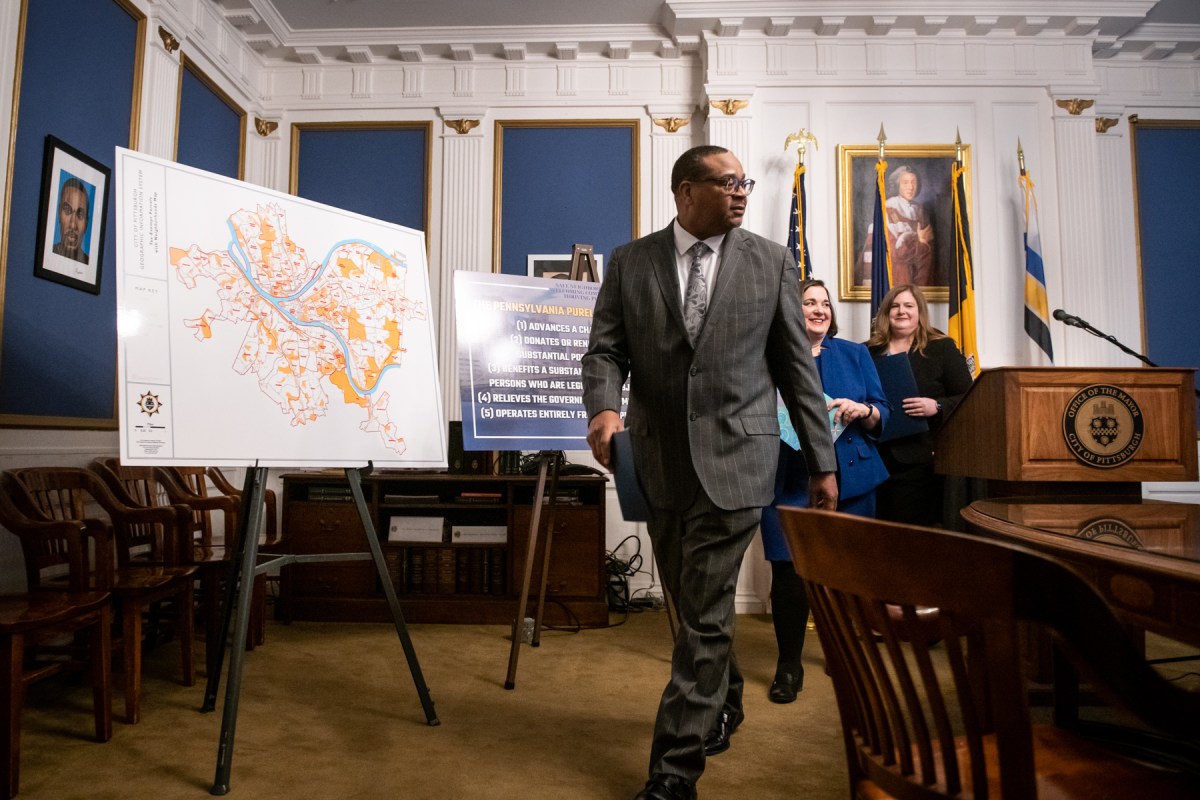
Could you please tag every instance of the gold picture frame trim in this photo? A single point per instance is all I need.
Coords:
(426, 126)
(634, 127)
(190, 65)
(856, 196)
(8, 420)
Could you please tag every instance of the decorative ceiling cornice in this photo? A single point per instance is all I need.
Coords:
(1116, 28)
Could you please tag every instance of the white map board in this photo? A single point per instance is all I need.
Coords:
(257, 327)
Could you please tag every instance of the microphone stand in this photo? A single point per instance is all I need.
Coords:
(1087, 326)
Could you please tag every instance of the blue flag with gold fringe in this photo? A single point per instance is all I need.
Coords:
(797, 241)
(881, 258)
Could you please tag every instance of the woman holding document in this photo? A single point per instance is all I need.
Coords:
(858, 411)
(913, 492)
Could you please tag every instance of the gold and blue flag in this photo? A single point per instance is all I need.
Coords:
(962, 283)
(1037, 308)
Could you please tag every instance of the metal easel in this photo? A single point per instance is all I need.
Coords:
(240, 586)
(583, 267)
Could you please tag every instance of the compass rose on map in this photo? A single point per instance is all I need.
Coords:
(150, 404)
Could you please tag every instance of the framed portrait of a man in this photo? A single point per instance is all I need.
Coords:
(918, 215)
(70, 236)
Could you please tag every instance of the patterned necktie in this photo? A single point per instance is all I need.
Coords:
(695, 299)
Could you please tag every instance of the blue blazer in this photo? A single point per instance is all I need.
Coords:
(847, 370)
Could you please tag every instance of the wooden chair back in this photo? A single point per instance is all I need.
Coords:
(157, 487)
(143, 536)
(56, 554)
(36, 627)
(192, 480)
(271, 537)
(149, 566)
(919, 725)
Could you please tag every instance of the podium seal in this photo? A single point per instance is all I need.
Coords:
(1103, 426)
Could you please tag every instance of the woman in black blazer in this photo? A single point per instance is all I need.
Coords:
(913, 492)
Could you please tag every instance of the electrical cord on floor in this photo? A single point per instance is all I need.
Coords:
(620, 570)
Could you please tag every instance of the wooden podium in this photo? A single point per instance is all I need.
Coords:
(1036, 430)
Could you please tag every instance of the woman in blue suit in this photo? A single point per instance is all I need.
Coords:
(848, 375)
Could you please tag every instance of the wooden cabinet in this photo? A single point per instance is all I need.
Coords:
(452, 580)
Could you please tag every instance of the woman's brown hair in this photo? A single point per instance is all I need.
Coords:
(805, 285)
(881, 333)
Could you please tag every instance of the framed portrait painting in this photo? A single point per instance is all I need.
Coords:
(918, 214)
(74, 199)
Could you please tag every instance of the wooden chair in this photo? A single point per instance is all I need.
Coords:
(272, 539)
(198, 480)
(915, 732)
(32, 624)
(147, 570)
(152, 487)
(193, 481)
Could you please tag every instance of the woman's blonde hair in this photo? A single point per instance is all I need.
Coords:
(881, 332)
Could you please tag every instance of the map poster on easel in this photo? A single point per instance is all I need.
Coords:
(258, 327)
(519, 344)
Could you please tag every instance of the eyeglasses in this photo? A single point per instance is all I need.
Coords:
(729, 183)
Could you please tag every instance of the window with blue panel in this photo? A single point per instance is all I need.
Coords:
(210, 126)
(59, 348)
(564, 185)
(378, 171)
(1168, 173)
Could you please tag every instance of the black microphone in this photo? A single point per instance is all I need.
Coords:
(1068, 319)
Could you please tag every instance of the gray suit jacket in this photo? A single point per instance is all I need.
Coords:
(706, 416)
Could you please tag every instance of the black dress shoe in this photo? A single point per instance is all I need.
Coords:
(667, 787)
(717, 740)
(785, 686)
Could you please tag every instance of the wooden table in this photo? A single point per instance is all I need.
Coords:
(1144, 558)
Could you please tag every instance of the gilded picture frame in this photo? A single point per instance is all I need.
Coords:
(920, 221)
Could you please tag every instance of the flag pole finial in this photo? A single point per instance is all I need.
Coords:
(801, 137)
(1020, 155)
(882, 139)
(957, 145)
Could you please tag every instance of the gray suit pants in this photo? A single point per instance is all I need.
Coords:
(699, 553)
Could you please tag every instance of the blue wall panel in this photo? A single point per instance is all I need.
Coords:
(210, 132)
(378, 172)
(1168, 174)
(60, 344)
(563, 186)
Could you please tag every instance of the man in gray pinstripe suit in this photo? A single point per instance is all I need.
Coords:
(703, 425)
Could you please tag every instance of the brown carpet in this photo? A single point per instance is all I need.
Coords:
(329, 711)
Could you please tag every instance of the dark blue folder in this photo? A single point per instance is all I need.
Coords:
(896, 375)
(634, 507)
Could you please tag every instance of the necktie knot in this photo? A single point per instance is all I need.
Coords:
(695, 298)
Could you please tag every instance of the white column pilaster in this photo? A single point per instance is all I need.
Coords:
(1119, 240)
(263, 153)
(160, 97)
(1087, 269)
(10, 31)
(462, 243)
(665, 148)
(731, 127)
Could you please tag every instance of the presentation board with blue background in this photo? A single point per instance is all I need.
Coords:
(519, 344)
